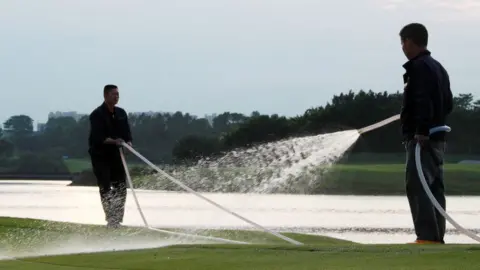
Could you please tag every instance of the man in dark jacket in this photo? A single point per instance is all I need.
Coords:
(427, 101)
(109, 127)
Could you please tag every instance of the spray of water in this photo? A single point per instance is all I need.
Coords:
(294, 165)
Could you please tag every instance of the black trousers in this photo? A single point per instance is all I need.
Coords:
(111, 180)
(428, 222)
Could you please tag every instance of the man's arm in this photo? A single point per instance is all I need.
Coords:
(128, 132)
(448, 100)
(421, 84)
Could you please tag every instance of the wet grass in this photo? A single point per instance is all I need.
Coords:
(32, 237)
(318, 253)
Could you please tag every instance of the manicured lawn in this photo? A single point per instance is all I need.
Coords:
(318, 253)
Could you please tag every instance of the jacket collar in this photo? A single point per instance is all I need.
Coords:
(105, 108)
(408, 64)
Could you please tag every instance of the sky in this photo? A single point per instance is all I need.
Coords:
(211, 56)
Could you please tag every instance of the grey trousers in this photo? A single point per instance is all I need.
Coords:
(428, 222)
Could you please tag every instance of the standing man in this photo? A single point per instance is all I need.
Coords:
(427, 101)
(109, 127)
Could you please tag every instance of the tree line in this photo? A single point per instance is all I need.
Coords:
(179, 137)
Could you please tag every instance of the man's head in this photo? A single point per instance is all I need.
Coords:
(414, 38)
(110, 94)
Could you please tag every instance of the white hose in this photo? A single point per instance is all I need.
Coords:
(292, 241)
(379, 124)
(418, 163)
(130, 183)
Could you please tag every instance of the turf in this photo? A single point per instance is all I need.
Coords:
(396, 158)
(30, 237)
(75, 165)
(389, 179)
(319, 253)
(264, 257)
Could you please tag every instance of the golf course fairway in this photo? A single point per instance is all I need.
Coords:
(24, 236)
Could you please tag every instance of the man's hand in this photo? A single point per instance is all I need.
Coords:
(119, 141)
(116, 141)
(109, 141)
(129, 143)
(422, 139)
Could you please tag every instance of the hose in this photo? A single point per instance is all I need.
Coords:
(130, 183)
(379, 124)
(418, 163)
(292, 241)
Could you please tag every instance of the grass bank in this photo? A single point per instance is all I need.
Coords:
(389, 179)
(76, 165)
(385, 177)
(319, 253)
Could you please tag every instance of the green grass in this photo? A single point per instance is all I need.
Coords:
(318, 253)
(389, 179)
(396, 158)
(400, 168)
(27, 236)
(77, 165)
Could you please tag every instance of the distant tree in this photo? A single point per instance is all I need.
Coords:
(177, 136)
(19, 125)
(6, 149)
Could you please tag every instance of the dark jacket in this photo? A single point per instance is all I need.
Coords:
(427, 97)
(104, 124)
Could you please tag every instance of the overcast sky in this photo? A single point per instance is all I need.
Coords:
(211, 56)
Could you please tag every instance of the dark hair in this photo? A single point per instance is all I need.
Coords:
(108, 88)
(415, 32)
